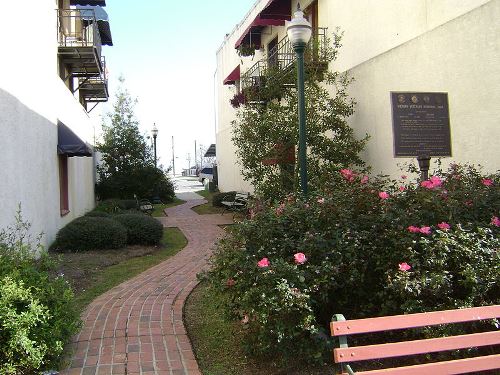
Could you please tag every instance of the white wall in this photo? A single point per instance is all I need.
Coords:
(32, 99)
(461, 57)
(391, 45)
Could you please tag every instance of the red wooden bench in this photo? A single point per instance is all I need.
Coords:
(344, 355)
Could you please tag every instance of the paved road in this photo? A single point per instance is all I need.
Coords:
(136, 328)
(187, 184)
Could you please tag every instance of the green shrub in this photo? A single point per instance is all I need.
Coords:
(91, 233)
(367, 247)
(95, 213)
(127, 204)
(108, 205)
(37, 311)
(141, 229)
(219, 197)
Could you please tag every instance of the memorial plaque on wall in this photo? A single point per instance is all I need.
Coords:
(421, 124)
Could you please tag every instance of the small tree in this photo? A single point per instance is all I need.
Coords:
(266, 129)
(128, 162)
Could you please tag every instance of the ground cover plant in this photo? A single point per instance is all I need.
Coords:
(93, 272)
(38, 314)
(361, 246)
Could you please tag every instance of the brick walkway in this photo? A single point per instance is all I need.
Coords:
(137, 327)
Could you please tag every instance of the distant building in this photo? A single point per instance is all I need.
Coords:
(388, 46)
(52, 74)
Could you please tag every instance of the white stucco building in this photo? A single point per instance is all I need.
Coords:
(449, 46)
(52, 74)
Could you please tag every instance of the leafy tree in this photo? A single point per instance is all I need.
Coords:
(127, 160)
(266, 128)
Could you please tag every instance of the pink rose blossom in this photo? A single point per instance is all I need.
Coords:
(306, 205)
(245, 319)
(404, 267)
(321, 200)
(402, 188)
(347, 174)
(300, 258)
(436, 181)
(468, 203)
(383, 195)
(413, 229)
(444, 226)
(495, 221)
(426, 184)
(364, 180)
(264, 262)
(425, 230)
(487, 181)
(230, 282)
(280, 209)
(432, 183)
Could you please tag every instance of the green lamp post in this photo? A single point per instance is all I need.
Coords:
(299, 32)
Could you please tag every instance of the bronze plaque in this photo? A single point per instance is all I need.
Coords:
(421, 124)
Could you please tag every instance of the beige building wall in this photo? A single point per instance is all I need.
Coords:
(391, 45)
(32, 99)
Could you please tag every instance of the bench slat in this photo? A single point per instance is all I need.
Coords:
(398, 349)
(386, 323)
(458, 366)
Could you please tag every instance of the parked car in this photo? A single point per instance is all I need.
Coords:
(206, 173)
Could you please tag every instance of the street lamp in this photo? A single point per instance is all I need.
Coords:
(154, 132)
(299, 32)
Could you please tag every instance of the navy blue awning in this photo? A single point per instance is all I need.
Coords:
(101, 3)
(69, 144)
(89, 13)
(211, 151)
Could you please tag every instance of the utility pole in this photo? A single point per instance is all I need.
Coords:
(201, 156)
(173, 157)
(195, 157)
(189, 164)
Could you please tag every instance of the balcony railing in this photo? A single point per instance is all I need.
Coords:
(281, 58)
(78, 28)
(95, 89)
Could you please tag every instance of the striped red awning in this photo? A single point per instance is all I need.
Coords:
(233, 76)
(275, 13)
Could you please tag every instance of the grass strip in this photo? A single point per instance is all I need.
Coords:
(159, 208)
(206, 208)
(172, 242)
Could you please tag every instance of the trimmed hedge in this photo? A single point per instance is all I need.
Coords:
(91, 233)
(141, 229)
(219, 197)
(97, 214)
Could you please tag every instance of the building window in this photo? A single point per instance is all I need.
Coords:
(63, 184)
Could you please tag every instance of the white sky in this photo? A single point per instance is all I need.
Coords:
(166, 51)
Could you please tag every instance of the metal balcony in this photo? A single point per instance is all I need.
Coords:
(280, 60)
(94, 89)
(79, 43)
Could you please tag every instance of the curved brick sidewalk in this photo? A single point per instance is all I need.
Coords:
(137, 327)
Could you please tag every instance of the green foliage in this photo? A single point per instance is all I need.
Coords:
(128, 165)
(219, 197)
(96, 213)
(91, 233)
(37, 310)
(264, 124)
(141, 229)
(373, 246)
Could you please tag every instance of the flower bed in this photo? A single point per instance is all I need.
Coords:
(363, 246)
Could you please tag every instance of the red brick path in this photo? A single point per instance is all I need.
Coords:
(137, 327)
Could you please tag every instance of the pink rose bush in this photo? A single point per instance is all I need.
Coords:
(368, 253)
